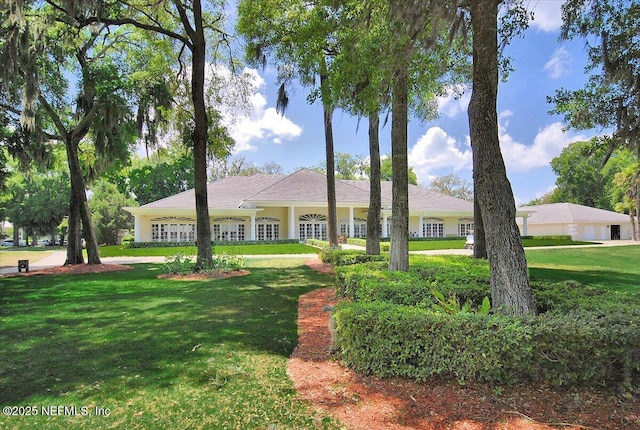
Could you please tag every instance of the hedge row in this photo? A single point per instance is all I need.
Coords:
(392, 326)
(347, 257)
(213, 243)
(390, 340)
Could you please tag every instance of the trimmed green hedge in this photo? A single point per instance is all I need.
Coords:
(388, 327)
(390, 340)
(213, 243)
(339, 257)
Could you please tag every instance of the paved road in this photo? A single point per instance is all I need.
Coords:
(57, 258)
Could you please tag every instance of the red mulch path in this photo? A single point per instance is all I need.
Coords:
(364, 402)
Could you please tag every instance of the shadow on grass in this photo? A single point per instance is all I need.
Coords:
(612, 280)
(60, 333)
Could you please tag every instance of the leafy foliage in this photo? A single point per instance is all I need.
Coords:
(421, 324)
(109, 217)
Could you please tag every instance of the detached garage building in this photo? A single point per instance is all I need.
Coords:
(579, 222)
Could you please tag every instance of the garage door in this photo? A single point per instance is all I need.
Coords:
(590, 232)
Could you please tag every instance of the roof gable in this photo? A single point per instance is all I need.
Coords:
(306, 185)
(226, 193)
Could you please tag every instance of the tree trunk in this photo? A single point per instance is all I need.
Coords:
(399, 255)
(479, 240)
(510, 289)
(203, 232)
(375, 199)
(79, 207)
(332, 211)
(74, 246)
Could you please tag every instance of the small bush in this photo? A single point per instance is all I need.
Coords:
(226, 263)
(127, 240)
(178, 264)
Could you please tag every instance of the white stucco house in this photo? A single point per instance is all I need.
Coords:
(579, 222)
(269, 207)
(294, 206)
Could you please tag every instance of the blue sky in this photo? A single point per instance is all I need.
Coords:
(530, 137)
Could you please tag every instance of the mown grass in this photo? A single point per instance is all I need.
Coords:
(9, 256)
(260, 249)
(614, 268)
(156, 353)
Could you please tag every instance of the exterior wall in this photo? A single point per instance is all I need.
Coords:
(145, 229)
(587, 232)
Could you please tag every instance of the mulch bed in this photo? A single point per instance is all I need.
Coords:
(365, 402)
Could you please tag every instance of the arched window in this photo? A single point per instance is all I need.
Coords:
(313, 226)
(432, 227)
(268, 228)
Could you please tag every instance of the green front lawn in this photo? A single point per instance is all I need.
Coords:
(615, 268)
(155, 353)
(9, 256)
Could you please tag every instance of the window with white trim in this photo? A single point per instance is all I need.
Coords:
(359, 227)
(228, 229)
(268, 228)
(312, 226)
(432, 227)
(465, 226)
(173, 229)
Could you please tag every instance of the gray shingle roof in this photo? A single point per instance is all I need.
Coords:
(306, 185)
(572, 213)
(226, 193)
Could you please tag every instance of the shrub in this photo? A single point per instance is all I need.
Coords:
(226, 263)
(431, 321)
(339, 257)
(322, 244)
(178, 264)
(390, 340)
(128, 240)
(213, 243)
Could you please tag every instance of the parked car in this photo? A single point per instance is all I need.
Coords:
(9, 242)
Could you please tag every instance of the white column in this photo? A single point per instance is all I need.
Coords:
(420, 229)
(351, 226)
(292, 222)
(137, 228)
(385, 225)
(525, 226)
(252, 235)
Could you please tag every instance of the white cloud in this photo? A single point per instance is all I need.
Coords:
(266, 124)
(454, 102)
(547, 15)
(558, 64)
(548, 143)
(258, 122)
(437, 150)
